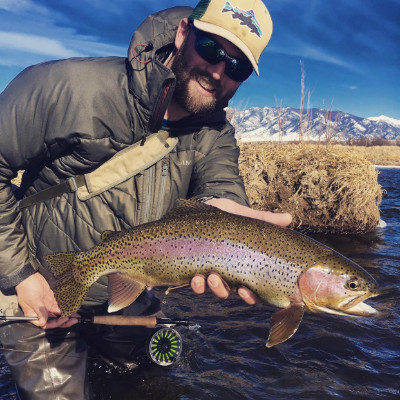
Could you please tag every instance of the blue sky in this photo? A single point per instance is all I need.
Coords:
(350, 49)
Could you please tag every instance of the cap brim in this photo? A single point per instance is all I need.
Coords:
(217, 30)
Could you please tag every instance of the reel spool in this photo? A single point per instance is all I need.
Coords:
(165, 347)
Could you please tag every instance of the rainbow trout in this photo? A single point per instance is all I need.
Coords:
(283, 267)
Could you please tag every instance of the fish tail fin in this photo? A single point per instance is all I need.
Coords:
(68, 292)
(60, 263)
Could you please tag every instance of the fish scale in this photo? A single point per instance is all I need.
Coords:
(279, 265)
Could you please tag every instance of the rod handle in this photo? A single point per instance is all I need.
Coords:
(125, 320)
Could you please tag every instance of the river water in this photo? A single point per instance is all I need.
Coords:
(330, 357)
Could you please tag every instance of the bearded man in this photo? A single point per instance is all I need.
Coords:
(63, 123)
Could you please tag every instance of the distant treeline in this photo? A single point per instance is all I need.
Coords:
(363, 142)
(376, 141)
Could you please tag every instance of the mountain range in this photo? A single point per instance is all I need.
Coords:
(278, 123)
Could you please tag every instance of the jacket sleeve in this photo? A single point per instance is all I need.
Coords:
(25, 107)
(216, 171)
(22, 143)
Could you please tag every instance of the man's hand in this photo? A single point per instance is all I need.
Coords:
(281, 219)
(214, 281)
(220, 288)
(37, 299)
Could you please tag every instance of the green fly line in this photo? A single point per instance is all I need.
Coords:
(165, 346)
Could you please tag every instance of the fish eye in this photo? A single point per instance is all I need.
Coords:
(353, 284)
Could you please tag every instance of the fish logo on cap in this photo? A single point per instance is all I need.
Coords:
(247, 18)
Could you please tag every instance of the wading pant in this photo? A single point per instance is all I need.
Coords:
(51, 364)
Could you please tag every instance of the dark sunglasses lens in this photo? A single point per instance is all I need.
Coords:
(238, 71)
(208, 49)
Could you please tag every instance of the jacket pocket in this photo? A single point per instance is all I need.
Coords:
(154, 188)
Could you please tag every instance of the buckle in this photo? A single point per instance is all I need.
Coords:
(72, 185)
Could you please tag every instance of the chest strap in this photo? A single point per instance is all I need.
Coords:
(71, 184)
(122, 166)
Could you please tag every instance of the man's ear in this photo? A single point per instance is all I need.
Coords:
(182, 32)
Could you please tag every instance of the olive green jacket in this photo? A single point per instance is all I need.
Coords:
(65, 118)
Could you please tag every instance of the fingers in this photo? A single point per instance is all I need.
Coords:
(215, 283)
(248, 296)
(56, 323)
(281, 219)
(198, 284)
(220, 288)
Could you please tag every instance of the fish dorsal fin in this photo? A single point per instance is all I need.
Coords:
(185, 206)
(122, 291)
(106, 234)
(284, 323)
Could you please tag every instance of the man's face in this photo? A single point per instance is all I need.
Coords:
(201, 87)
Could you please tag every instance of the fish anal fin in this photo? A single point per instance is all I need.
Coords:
(284, 323)
(122, 291)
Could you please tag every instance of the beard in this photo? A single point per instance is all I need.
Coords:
(194, 103)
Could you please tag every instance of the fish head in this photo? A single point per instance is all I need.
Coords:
(337, 285)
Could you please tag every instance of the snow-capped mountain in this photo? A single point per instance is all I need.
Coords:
(387, 120)
(271, 123)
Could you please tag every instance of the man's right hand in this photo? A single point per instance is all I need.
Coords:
(37, 299)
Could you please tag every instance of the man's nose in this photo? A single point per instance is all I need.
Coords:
(217, 70)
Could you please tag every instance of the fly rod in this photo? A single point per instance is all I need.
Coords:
(123, 320)
(164, 347)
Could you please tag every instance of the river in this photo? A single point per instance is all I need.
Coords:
(330, 357)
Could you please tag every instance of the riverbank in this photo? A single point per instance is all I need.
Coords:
(327, 189)
(380, 156)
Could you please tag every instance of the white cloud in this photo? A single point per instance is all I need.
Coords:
(35, 44)
(21, 6)
(304, 51)
(18, 49)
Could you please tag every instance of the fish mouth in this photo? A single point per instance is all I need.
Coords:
(353, 306)
(356, 306)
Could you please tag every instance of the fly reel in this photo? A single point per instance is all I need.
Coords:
(165, 347)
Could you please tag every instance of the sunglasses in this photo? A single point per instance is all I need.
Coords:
(212, 52)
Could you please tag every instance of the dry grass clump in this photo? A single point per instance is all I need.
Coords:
(326, 189)
(378, 155)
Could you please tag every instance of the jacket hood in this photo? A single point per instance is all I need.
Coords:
(154, 38)
(150, 81)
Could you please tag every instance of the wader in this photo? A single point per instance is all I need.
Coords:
(51, 364)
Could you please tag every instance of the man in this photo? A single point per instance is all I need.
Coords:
(62, 120)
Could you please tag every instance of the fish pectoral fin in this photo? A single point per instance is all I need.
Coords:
(122, 291)
(284, 323)
(171, 288)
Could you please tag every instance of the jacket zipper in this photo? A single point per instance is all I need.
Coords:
(163, 185)
(160, 112)
(148, 197)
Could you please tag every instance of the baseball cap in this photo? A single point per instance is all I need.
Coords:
(245, 23)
